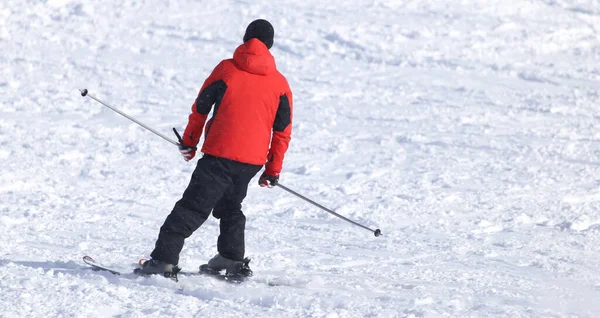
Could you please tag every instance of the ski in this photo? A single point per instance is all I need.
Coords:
(206, 271)
(96, 266)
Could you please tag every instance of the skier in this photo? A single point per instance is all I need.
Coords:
(251, 126)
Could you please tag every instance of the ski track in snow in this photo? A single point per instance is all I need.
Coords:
(466, 131)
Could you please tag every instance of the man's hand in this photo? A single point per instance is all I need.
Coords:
(188, 152)
(267, 180)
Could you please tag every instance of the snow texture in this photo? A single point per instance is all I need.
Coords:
(467, 131)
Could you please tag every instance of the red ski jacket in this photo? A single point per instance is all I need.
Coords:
(252, 116)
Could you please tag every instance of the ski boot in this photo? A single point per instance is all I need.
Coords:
(236, 269)
(156, 267)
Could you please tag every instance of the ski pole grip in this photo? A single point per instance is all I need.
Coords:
(181, 140)
(178, 136)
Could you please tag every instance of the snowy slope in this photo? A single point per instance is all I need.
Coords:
(468, 131)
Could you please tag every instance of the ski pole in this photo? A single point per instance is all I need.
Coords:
(84, 93)
(377, 232)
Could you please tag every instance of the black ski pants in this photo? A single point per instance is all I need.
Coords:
(218, 185)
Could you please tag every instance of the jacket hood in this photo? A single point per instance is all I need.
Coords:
(254, 57)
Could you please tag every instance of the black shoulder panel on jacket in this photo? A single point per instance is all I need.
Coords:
(210, 95)
(283, 117)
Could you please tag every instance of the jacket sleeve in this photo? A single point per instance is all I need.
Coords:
(212, 90)
(282, 133)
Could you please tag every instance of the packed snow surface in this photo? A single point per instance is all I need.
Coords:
(467, 131)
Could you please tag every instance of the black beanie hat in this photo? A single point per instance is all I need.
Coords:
(262, 30)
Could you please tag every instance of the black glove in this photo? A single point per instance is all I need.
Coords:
(266, 180)
(188, 152)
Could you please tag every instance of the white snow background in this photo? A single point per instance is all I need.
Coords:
(467, 131)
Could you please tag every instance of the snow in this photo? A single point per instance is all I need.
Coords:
(467, 131)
